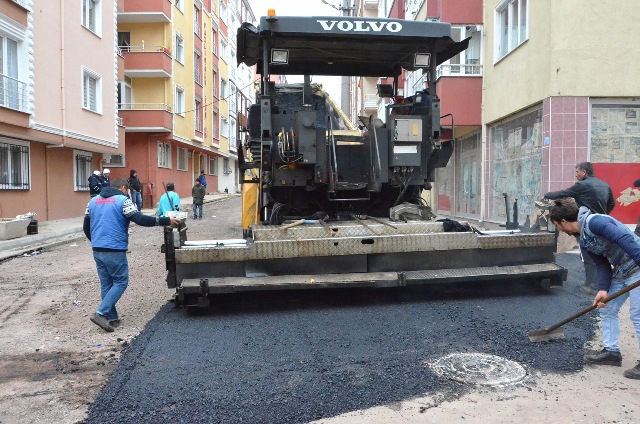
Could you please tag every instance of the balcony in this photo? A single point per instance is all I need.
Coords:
(146, 117)
(371, 102)
(147, 61)
(13, 93)
(471, 69)
(145, 11)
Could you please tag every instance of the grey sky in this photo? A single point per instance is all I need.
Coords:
(302, 8)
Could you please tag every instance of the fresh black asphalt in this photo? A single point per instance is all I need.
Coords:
(294, 357)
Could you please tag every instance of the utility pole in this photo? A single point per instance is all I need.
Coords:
(345, 92)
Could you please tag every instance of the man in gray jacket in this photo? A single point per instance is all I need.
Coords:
(596, 195)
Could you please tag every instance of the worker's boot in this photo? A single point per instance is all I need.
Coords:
(633, 372)
(606, 357)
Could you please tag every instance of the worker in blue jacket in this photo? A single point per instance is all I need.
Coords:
(615, 249)
(106, 225)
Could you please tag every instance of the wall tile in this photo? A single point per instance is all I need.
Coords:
(570, 122)
(569, 139)
(556, 156)
(582, 105)
(582, 138)
(581, 154)
(556, 104)
(569, 105)
(582, 121)
(557, 121)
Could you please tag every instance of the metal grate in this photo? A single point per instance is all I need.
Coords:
(14, 167)
(83, 171)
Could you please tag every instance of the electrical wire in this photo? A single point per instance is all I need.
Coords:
(216, 100)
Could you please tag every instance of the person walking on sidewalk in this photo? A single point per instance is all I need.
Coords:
(596, 195)
(106, 225)
(197, 192)
(95, 183)
(170, 201)
(615, 250)
(135, 188)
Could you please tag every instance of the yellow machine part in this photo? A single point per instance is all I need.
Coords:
(250, 206)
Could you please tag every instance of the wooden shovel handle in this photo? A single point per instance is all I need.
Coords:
(592, 307)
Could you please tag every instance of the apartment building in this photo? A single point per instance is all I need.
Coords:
(560, 87)
(177, 101)
(543, 86)
(57, 103)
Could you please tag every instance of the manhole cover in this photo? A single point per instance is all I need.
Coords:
(478, 368)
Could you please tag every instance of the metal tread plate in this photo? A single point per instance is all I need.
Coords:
(339, 246)
(363, 228)
(213, 285)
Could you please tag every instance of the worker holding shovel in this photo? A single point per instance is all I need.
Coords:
(616, 251)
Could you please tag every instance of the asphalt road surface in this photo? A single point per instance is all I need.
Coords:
(294, 357)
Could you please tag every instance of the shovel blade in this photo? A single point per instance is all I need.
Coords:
(546, 335)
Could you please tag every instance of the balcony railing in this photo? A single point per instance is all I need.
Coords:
(144, 106)
(448, 70)
(13, 93)
(146, 49)
(146, 117)
(147, 61)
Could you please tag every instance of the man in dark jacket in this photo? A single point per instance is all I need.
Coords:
(197, 192)
(596, 195)
(135, 188)
(95, 183)
(106, 225)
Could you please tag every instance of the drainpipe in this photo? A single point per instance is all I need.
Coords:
(62, 108)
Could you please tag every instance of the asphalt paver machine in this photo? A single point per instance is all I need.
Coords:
(330, 204)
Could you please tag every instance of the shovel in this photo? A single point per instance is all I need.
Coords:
(555, 332)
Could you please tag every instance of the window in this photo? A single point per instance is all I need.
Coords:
(179, 48)
(125, 94)
(182, 159)
(214, 42)
(224, 127)
(83, 167)
(223, 51)
(214, 84)
(197, 115)
(91, 15)
(164, 155)
(464, 63)
(214, 125)
(232, 63)
(213, 165)
(196, 21)
(124, 40)
(197, 75)
(14, 166)
(180, 5)
(12, 91)
(91, 91)
(179, 106)
(232, 98)
(225, 166)
(232, 134)
(223, 12)
(224, 88)
(511, 18)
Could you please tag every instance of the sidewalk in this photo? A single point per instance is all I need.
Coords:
(57, 231)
